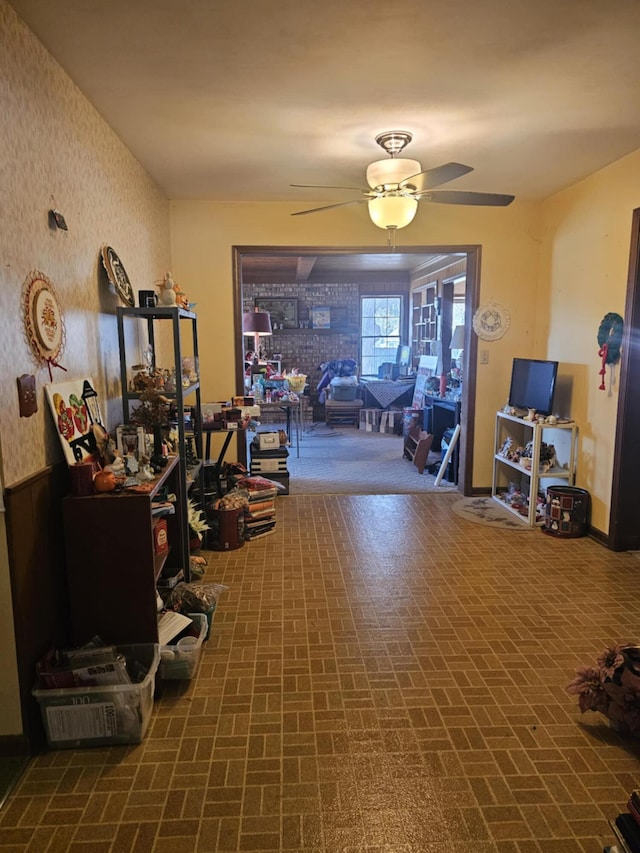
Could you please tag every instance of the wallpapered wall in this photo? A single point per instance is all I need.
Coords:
(55, 150)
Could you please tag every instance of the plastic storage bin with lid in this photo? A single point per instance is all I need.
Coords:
(343, 388)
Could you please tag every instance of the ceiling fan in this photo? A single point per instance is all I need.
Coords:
(396, 185)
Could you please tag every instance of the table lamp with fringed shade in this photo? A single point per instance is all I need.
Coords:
(258, 324)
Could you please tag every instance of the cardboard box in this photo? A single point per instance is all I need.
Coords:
(269, 440)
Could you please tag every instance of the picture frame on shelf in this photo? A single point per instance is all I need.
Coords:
(426, 368)
(283, 310)
(338, 318)
(131, 440)
(320, 317)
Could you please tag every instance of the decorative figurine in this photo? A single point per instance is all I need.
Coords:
(167, 295)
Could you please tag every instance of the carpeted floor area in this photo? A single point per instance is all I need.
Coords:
(347, 461)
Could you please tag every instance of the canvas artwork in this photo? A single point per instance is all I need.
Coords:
(283, 311)
(426, 367)
(75, 409)
(320, 317)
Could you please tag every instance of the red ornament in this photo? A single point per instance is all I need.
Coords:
(603, 352)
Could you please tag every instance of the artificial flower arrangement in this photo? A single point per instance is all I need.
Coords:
(197, 521)
(612, 687)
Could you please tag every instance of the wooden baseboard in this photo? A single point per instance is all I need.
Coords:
(11, 745)
(598, 535)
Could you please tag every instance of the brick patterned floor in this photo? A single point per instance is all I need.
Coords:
(381, 676)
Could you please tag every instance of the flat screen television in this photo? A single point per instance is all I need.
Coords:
(533, 383)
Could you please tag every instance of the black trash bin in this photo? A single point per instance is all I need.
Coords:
(566, 511)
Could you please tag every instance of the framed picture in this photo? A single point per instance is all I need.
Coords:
(131, 440)
(283, 311)
(320, 317)
(75, 409)
(338, 319)
(426, 368)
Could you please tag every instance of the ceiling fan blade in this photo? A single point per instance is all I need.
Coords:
(325, 187)
(461, 197)
(329, 206)
(436, 177)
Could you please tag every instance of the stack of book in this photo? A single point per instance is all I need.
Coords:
(627, 826)
(260, 515)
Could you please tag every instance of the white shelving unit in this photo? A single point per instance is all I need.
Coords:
(563, 436)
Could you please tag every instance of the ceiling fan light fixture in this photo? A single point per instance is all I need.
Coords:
(392, 171)
(392, 211)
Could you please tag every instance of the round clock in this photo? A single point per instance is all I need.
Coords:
(43, 318)
(491, 321)
(118, 276)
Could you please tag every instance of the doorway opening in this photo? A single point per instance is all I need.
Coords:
(368, 270)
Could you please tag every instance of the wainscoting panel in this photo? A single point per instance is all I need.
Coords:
(38, 580)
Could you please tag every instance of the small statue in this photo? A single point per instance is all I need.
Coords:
(167, 296)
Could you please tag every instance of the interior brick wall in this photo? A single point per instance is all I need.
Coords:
(307, 348)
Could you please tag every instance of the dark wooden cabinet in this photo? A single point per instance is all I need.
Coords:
(440, 417)
(112, 564)
(439, 414)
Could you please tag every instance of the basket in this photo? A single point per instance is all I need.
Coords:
(297, 383)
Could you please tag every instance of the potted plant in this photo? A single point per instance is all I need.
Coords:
(612, 687)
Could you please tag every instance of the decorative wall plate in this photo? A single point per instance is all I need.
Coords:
(118, 276)
(491, 321)
(43, 318)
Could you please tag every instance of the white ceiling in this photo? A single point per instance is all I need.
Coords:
(236, 100)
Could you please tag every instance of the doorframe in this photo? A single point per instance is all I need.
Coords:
(470, 352)
(624, 531)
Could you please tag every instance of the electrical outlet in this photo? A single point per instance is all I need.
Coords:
(484, 356)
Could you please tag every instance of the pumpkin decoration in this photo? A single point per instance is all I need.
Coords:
(104, 481)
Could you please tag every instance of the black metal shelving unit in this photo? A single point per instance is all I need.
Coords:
(174, 318)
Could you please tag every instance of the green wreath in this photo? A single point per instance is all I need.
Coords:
(610, 333)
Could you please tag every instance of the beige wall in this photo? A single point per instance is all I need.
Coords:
(54, 146)
(558, 268)
(583, 271)
(203, 233)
